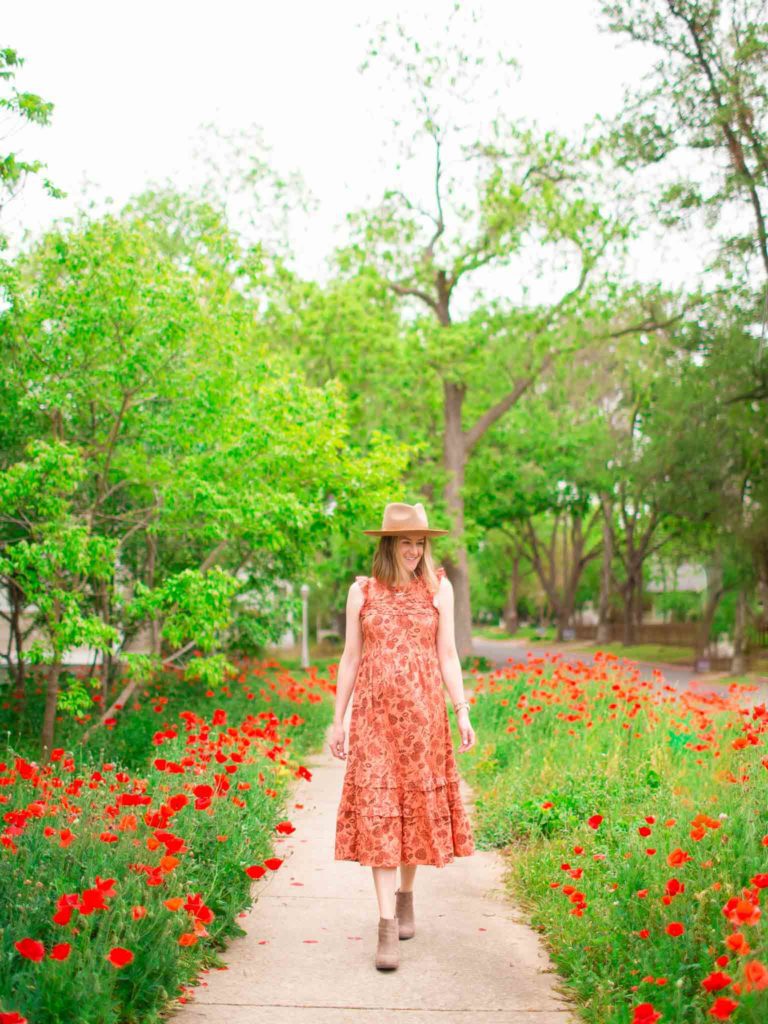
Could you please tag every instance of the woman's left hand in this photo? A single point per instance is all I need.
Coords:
(466, 731)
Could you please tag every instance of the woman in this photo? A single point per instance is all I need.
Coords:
(400, 802)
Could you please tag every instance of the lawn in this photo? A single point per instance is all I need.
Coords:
(664, 654)
(536, 634)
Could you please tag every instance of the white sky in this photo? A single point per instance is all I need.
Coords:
(133, 83)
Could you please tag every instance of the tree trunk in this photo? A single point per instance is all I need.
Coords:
(740, 659)
(630, 618)
(511, 622)
(456, 566)
(639, 596)
(154, 626)
(563, 621)
(633, 595)
(604, 605)
(16, 602)
(563, 608)
(567, 602)
(715, 591)
(762, 597)
(51, 702)
(106, 656)
(560, 583)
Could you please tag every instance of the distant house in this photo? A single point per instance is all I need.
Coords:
(662, 578)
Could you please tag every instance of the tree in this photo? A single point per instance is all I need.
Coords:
(703, 115)
(536, 479)
(55, 565)
(136, 340)
(714, 450)
(531, 203)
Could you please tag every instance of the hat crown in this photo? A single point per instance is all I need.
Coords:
(399, 517)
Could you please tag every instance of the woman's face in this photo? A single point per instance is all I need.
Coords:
(410, 548)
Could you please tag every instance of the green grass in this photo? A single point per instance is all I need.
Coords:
(558, 748)
(523, 633)
(664, 653)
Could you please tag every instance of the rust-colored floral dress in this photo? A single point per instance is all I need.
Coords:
(400, 799)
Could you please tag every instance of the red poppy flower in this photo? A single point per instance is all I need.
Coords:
(755, 976)
(118, 956)
(644, 1013)
(722, 1008)
(31, 949)
(716, 980)
(740, 911)
(737, 943)
(678, 857)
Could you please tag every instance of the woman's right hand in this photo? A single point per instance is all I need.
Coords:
(336, 740)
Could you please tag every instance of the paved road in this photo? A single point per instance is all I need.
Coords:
(499, 651)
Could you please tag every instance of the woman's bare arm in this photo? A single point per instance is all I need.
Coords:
(350, 658)
(450, 666)
(447, 655)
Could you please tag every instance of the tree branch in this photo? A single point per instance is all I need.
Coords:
(403, 289)
(476, 431)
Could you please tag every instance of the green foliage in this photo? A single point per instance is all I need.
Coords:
(209, 672)
(195, 606)
(58, 561)
(198, 466)
(711, 59)
(21, 106)
(681, 605)
(76, 694)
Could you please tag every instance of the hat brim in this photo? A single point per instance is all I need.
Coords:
(396, 533)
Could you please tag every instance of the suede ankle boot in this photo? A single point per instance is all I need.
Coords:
(404, 914)
(387, 951)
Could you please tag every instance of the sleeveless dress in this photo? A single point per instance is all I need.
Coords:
(400, 798)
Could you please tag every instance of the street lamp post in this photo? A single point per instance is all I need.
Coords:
(305, 625)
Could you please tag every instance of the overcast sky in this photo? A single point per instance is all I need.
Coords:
(133, 83)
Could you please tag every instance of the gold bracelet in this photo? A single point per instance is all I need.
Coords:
(461, 704)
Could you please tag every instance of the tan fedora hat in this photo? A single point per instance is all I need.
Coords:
(402, 518)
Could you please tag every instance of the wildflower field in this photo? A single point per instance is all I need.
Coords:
(635, 822)
(122, 876)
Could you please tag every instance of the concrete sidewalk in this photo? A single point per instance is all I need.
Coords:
(308, 955)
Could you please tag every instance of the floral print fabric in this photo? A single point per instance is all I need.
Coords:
(400, 798)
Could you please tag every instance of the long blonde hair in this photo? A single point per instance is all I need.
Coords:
(384, 566)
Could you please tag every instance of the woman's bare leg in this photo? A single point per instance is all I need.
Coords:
(407, 875)
(384, 880)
